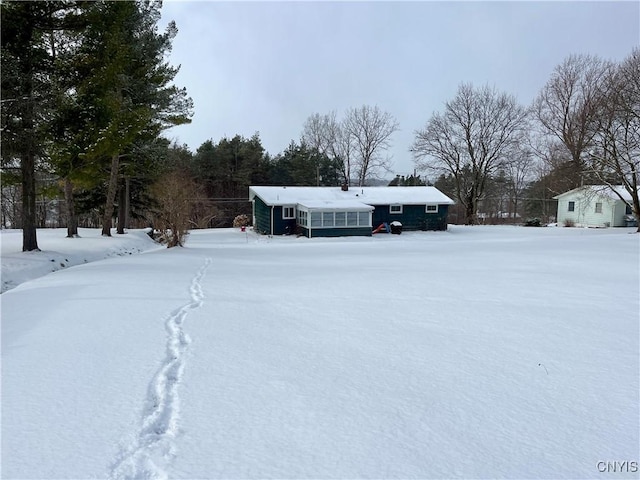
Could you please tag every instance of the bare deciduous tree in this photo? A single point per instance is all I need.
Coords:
(174, 194)
(370, 130)
(568, 105)
(327, 135)
(555, 161)
(315, 134)
(518, 172)
(616, 157)
(358, 141)
(470, 140)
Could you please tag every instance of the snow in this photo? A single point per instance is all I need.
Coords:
(615, 192)
(368, 195)
(335, 205)
(480, 352)
(58, 252)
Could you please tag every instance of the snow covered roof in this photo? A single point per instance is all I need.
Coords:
(598, 190)
(365, 195)
(335, 205)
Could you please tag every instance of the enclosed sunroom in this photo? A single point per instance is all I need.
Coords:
(334, 219)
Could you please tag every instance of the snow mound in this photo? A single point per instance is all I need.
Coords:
(57, 252)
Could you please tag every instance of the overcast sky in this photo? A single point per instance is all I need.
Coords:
(267, 66)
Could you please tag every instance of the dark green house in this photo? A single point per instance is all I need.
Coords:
(341, 211)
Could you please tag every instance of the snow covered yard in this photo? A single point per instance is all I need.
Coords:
(481, 352)
(59, 252)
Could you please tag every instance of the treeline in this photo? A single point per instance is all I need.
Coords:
(218, 174)
(582, 128)
(87, 93)
(221, 173)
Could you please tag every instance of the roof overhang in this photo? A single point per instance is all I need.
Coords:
(283, 195)
(335, 206)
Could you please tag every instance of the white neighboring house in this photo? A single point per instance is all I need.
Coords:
(595, 206)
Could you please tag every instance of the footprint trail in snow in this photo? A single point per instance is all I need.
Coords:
(153, 447)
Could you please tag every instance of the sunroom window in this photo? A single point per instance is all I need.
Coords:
(302, 218)
(316, 219)
(333, 219)
(327, 219)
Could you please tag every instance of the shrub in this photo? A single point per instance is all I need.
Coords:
(241, 221)
(174, 197)
(569, 222)
(533, 222)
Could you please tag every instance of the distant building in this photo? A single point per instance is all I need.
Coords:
(595, 206)
(342, 211)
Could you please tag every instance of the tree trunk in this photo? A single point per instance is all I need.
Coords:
(470, 216)
(72, 218)
(111, 195)
(28, 156)
(122, 210)
(471, 211)
(127, 204)
(29, 237)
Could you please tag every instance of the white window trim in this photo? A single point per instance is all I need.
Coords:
(303, 216)
(397, 212)
(426, 208)
(569, 202)
(596, 207)
(346, 225)
(284, 207)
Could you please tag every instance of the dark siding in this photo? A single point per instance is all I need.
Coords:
(280, 225)
(413, 217)
(436, 221)
(337, 232)
(262, 212)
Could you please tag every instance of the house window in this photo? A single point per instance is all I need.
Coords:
(327, 219)
(316, 219)
(324, 219)
(598, 207)
(288, 212)
(302, 218)
(432, 209)
(571, 207)
(395, 208)
(627, 209)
